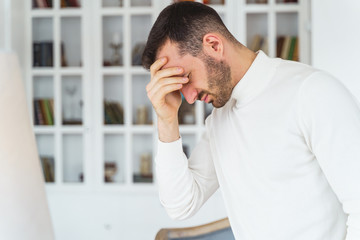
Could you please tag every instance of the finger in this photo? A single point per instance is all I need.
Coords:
(155, 86)
(158, 97)
(165, 73)
(157, 65)
(168, 72)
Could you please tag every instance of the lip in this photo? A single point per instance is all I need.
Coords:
(206, 98)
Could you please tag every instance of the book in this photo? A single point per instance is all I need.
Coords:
(265, 45)
(63, 4)
(292, 48)
(38, 114)
(296, 51)
(279, 45)
(256, 43)
(43, 54)
(36, 55)
(48, 113)
(63, 56)
(286, 47)
(43, 112)
(48, 167)
(49, 3)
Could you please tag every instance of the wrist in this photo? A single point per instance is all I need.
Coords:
(168, 130)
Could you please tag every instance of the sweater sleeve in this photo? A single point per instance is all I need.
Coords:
(330, 121)
(185, 185)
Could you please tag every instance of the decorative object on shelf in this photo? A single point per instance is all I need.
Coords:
(48, 167)
(70, 112)
(137, 54)
(145, 164)
(145, 174)
(142, 115)
(113, 112)
(110, 170)
(116, 59)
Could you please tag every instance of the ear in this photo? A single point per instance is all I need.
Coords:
(213, 45)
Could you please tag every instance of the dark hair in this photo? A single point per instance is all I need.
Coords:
(184, 23)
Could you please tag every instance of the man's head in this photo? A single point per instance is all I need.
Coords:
(184, 23)
(191, 35)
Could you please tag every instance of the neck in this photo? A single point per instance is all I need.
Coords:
(240, 60)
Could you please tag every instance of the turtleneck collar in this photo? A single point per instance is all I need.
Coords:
(255, 79)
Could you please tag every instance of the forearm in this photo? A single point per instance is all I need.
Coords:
(184, 185)
(175, 180)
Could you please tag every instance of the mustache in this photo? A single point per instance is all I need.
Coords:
(202, 94)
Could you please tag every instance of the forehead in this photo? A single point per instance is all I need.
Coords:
(171, 51)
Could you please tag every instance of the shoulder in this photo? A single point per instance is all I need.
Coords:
(321, 84)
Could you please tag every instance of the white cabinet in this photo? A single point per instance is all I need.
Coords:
(87, 86)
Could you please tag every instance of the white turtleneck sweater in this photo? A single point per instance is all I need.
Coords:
(285, 151)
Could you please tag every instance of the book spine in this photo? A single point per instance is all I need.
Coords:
(279, 45)
(296, 51)
(63, 4)
(292, 48)
(38, 112)
(49, 56)
(286, 47)
(48, 112)
(36, 117)
(36, 54)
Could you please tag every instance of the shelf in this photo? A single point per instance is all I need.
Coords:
(264, 8)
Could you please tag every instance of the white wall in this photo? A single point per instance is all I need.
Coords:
(336, 40)
(12, 31)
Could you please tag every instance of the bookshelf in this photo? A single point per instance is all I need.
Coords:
(84, 73)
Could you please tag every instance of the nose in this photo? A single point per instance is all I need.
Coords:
(189, 93)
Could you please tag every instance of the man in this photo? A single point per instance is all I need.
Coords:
(283, 142)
